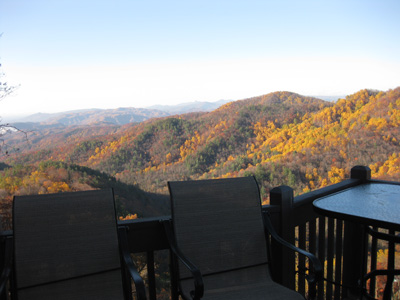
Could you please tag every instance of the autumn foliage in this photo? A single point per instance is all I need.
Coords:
(280, 138)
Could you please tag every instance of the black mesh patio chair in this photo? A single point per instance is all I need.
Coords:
(390, 272)
(219, 236)
(68, 246)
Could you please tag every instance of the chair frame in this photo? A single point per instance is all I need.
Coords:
(390, 273)
(129, 266)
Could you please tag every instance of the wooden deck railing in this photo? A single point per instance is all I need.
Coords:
(333, 242)
(336, 243)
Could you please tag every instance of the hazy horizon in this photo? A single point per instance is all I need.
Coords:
(6, 118)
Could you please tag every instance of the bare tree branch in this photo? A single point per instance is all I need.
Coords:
(5, 129)
(6, 90)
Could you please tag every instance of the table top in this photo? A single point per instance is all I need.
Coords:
(375, 204)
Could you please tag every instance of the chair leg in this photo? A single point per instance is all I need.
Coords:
(312, 291)
(174, 282)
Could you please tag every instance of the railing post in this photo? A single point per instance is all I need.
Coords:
(3, 296)
(361, 172)
(284, 259)
(353, 256)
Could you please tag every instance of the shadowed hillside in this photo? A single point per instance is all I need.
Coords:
(55, 177)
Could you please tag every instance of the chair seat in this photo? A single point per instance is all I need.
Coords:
(252, 283)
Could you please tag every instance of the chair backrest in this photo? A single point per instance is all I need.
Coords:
(218, 224)
(66, 246)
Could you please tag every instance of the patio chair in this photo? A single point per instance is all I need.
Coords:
(219, 236)
(390, 272)
(68, 246)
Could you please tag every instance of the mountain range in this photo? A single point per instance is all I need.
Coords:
(281, 138)
(118, 116)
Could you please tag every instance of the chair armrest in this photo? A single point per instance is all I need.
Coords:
(198, 279)
(137, 279)
(316, 263)
(8, 257)
(388, 286)
(383, 236)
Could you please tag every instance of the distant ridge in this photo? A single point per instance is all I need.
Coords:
(197, 106)
(118, 116)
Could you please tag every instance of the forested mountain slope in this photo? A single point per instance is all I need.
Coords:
(53, 177)
(281, 138)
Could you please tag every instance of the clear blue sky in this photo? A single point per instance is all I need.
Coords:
(75, 54)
